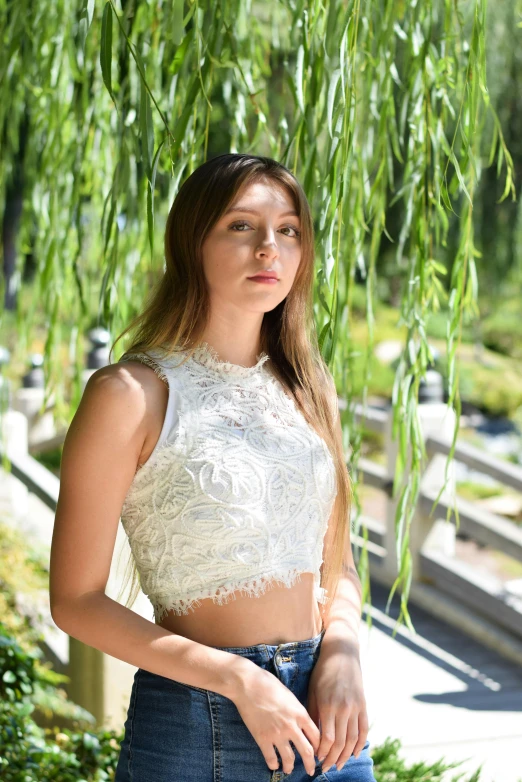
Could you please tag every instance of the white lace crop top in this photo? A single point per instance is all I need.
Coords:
(237, 492)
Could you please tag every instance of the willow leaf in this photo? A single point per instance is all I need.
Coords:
(146, 131)
(332, 89)
(177, 21)
(150, 198)
(106, 48)
(299, 76)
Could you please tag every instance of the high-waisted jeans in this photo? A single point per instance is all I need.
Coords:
(176, 732)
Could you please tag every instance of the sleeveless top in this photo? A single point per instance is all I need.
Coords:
(237, 492)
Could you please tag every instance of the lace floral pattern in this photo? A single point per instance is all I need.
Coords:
(239, 494)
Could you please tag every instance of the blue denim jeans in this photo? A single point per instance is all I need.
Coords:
(176, 732)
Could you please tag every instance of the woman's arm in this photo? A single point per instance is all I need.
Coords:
(336, 697)
(100, 456)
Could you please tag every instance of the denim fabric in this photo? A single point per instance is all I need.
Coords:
(176, 732)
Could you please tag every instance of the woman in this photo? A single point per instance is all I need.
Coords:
(217, 439)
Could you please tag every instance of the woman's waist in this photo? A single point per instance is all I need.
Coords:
(280, 614)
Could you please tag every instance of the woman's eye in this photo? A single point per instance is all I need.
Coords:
(297, 233)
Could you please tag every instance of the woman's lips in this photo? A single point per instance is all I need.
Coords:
(267, 280)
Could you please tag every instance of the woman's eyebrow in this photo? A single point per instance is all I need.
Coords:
(255, 212)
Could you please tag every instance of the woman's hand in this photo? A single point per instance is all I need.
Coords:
(336, 700)
(275, 717)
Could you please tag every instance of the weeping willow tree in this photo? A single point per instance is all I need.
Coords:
(373, 104)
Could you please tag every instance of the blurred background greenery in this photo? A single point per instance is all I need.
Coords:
(397, 117)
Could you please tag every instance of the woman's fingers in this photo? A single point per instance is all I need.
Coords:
(332, 737)
(272, 761)
(351, 731)
(312, 733)
(363, 733)
(287, 756)
(352, 738)
(306, 750)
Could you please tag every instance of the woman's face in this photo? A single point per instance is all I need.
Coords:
(258, 233)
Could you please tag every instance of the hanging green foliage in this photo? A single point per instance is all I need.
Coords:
(372, 105)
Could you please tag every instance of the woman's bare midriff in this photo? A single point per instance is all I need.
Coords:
(279, 615)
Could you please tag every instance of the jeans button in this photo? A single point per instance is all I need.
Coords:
(278, 659)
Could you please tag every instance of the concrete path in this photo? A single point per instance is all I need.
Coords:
(442, 694)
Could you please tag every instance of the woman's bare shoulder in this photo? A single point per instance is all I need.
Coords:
(128, 388)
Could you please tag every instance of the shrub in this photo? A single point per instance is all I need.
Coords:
(29, 753)
(390, 768)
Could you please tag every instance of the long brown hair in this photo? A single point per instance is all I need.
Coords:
(177, 309)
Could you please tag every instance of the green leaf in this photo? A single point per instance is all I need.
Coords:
(89, 8)
(323, 333)
(84, 24)
(177, 30)
(459, 174)
(106, 48)
(332, 89)
(438, 266)
(150, 198)
(146, 130)
(182, 51)
(299, 90)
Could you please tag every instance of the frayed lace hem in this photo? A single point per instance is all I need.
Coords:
(182, 606)
(144, 358)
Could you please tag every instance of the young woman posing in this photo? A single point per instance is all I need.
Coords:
(216, 438)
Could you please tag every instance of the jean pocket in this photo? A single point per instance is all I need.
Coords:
(156, 681)
(189, 686)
